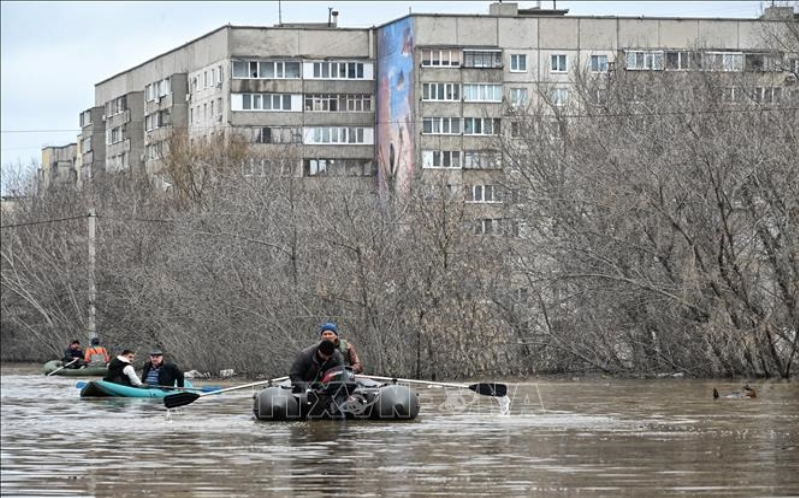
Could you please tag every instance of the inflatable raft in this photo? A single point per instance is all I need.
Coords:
(104, 389)
(344, 397)
(73, 372)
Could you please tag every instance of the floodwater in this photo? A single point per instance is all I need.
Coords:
(562, 438)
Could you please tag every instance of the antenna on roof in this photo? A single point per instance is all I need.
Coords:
(279, 13)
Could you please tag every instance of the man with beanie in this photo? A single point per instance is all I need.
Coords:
(73, 355)
(329, 332)
(312, 363)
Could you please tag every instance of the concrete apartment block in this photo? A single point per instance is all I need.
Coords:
(420, 98)
(91, 144)
(58, 166)
(462, 74)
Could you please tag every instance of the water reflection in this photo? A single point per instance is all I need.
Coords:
(562, 438)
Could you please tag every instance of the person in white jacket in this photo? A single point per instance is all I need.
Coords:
(121, 371)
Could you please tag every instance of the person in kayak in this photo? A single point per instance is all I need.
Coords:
(158, 372)
(73, 355)
(329, 332)
(121, 371)
(96, 355)
(312, 363)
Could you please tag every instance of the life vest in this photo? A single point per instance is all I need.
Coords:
(96, 356)
(345, 351)
(115, 374)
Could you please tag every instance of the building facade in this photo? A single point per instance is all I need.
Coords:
(423, 97)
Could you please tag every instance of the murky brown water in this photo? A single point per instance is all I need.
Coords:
(582, 438)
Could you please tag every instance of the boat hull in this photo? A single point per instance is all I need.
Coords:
(368, 400)
(105, 389)
(73, 372)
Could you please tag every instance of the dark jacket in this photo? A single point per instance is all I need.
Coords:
(351, 359)
(71, 354)
(115, 374)
(308, 368)
(167, 376)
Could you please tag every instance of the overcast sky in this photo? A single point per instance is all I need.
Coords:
(54, 52)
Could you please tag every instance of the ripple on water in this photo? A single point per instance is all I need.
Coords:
(559, 439)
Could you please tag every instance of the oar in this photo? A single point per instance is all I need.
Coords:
(205, 389)
(181, 399)
(62, 367)
(487, 389)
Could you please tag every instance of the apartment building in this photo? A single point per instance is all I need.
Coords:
(307, 89)
(58, 166)
(91, 144)
(421, 98)
(449, 85)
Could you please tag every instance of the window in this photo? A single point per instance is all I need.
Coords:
(115, 135)
(338, 167)
(598, 96)
(767, 95)
(262, 102)
(277, 135)
(638, 60)
(239, 70)
(265, 70)
(441, 91)
(482, 194)
(761, 62)
(85, 118)
(338, 103)
(599, 63)
(482, 159)
(732, 94)
(482, 93)
(482, 59)
(559, 63)
(358, 103)
(559, 96)
(491, 227)
(441, 58)
(154, 151)
(337, 71)
(86, 145)
(116, 106)
(518, 97)
(338, 135)
(481, 126)
(441, 126)
(724, 61)
(518, 63)
(441, 159)
(253, 167)
(515, 129)
(683, 61)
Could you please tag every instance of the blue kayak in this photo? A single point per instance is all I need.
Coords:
(103, 389)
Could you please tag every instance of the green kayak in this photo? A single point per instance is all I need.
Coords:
(104, 389)
(73, 372)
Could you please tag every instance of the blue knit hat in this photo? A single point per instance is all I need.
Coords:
(329, 326)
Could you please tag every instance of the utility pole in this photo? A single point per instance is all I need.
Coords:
(92, 285)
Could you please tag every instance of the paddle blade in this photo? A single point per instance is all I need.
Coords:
(498, 390)
(180, 399)
(80, 384)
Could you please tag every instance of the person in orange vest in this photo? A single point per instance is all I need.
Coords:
(96, 355)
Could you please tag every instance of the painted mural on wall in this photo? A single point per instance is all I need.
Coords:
(395, 128)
